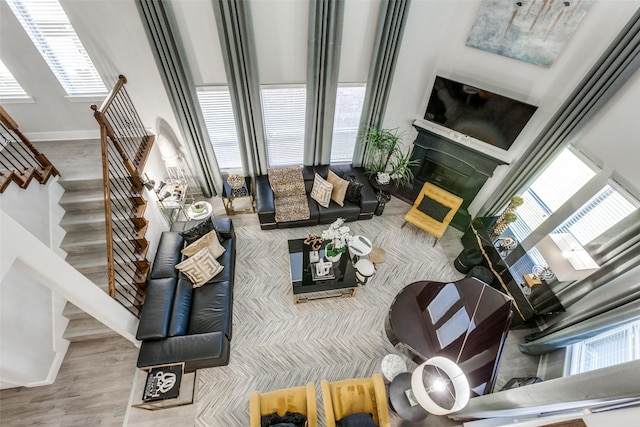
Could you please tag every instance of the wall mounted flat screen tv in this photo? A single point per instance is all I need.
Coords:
(472, 111)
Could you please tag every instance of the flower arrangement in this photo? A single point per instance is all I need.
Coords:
(339, 236)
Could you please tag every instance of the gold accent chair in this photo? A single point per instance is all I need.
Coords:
(346, 397)
(431, 225)
(296, 399)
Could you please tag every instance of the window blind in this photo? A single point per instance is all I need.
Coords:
(555, 186)
(9, 86)
(218, 116)
(283, 110)
(609, 348)
(349, 101)
(50, 30)
(596, 216)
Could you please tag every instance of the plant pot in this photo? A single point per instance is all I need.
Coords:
(330, 254)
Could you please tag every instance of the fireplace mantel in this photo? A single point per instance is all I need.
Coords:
(453, 166)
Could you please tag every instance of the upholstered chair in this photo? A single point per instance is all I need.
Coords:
(296, 399)
(433, 210)
(356, 395)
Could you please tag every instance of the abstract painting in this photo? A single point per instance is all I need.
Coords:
(533, 31)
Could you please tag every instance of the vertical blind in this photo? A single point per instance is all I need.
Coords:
(283, 110)
(9, 86)
(221, 127)
(349, 101)
(50, 30)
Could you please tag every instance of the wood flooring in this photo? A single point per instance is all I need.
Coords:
(276, 344)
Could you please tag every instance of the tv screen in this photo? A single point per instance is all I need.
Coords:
(478, 113)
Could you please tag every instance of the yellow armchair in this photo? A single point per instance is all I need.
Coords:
(433, 226)
(296, 399)
(346, 397)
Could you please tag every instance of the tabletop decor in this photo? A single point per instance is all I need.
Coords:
(315, 243)
(339, 236)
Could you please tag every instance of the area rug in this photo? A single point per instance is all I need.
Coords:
(277, 344)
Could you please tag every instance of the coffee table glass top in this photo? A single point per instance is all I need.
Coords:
(301, 277)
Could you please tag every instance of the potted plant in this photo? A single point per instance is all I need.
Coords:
(385, 158)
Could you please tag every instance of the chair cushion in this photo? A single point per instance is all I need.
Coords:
(200, 268)
(167, 255)
(321, 191)
(156, 312)
(197, 231)
(435, 210)
(295, 419)
(339, 187)
(359, 419)
(209, 241)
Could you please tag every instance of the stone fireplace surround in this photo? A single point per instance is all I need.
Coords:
(451, 165)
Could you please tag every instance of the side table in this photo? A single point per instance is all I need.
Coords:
(392, 365)
(400, 403)
(231, 195)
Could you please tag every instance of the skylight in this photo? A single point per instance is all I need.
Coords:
(50, 30)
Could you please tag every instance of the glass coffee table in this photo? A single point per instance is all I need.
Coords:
(306, 288)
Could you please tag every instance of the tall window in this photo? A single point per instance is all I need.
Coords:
(9, 86)
(283, 110)
(613, 347)
(215, 104)
(50, 30)
(559, 181)
(349, 102)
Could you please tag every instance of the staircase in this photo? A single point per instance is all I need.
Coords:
(86, 247)
(80, 167)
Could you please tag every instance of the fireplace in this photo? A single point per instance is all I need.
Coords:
(452, 166)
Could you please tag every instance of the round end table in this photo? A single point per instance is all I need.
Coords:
(392, 365)
(377, 255)
(398, 390)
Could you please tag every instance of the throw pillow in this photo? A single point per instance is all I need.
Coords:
(359, 419)
(200, 268)
(321, 191)
(432, 208)
(197, 231)
(339, 187)
(295, 419)
(209, 241)
(353, 190)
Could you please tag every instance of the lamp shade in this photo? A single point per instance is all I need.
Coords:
(440, 386)
(566, 257)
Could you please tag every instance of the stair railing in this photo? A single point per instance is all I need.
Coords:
(20, 161)
(125, 148)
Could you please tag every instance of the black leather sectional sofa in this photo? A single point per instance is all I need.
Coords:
(319, 215)
(180, 323)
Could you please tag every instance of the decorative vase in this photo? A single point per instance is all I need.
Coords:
(331, 254)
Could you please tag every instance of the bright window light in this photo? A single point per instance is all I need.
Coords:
(216, 108)
(283, 110)
(50, 30)
(349, 101)
(9, 86)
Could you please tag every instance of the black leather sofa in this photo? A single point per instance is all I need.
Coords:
(318, 215)
(179, 323)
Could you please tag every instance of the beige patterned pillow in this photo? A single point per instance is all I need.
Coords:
(321, 191)
(200, 268)
(209, 241)
(339, 187)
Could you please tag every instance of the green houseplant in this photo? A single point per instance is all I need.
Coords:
(384, 155)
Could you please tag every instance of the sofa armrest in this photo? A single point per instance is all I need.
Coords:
(265, 200)
(197, 351)
(224, 227)
(368, 198)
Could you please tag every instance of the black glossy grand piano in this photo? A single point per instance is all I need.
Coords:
(465, 321)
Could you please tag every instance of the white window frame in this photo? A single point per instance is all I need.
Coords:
(226, 143)
(10, 88)
(56, 40)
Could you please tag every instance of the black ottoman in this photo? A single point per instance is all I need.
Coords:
(468, 258)
(481, 273)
